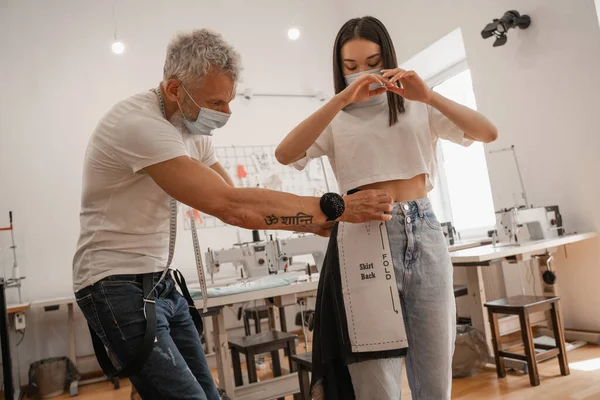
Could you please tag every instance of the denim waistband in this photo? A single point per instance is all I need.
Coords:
(136, 277)
(412, 208)
(406, 208)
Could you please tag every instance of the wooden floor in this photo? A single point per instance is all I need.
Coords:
(582, 384)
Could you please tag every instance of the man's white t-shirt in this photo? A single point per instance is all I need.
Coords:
(124, 213)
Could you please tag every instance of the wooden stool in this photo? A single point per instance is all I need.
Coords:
(460, 290)
(304, 364)
(523, 306)
(250, 346)
(257, 314)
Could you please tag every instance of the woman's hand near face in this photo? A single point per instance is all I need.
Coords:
(360, 90)
(411, 86)
(474, 125)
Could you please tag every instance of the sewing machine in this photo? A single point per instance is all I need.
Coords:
(449, 232)
(517, 225)
(260, 258)
(302, 245)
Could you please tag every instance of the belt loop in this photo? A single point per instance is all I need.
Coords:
(420, 208)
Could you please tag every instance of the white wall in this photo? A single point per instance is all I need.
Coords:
(540, 89)
(413, 24)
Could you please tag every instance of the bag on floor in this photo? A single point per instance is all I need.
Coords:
(50, 377)
(469, 352)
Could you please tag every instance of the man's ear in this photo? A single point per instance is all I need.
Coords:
(172, 90)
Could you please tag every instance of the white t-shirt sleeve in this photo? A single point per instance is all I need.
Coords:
(206, 150)
(442, 127)
(323, 146)
(139, 141)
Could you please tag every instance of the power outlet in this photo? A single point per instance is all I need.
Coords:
(20, 321)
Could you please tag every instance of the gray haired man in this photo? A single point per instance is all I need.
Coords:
(147, 150)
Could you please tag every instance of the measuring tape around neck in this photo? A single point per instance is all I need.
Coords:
(173, 230)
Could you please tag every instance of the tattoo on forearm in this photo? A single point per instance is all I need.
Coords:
(298, 219)
(271, 220)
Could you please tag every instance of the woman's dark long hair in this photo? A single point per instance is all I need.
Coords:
(373, 30)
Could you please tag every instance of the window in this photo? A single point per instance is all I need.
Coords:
(462, 193)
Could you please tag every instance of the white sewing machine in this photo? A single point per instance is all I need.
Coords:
(262, 258)
(449, 232)
(302, 245)
(517, 225)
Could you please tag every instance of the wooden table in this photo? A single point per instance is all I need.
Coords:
(476, 258)
(469, 243)
(15, 308)
(283, 296)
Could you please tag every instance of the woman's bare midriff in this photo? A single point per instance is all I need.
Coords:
(402, 189)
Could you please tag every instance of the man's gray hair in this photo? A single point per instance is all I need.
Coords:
(191, 55)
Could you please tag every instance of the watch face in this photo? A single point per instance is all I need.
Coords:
(332, 205)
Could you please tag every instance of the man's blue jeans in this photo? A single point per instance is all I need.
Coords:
(177, 367)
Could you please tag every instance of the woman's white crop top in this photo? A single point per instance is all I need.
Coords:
(362, 148)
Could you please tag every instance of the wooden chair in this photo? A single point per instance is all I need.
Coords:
(304, 365)
(260, 343)
(460, 290)
(256, 314)
(523, 306)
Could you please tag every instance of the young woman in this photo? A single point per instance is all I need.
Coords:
(380, 131)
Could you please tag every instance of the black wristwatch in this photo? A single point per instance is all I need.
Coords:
(333, 206)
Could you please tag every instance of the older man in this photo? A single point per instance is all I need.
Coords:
(148, 150)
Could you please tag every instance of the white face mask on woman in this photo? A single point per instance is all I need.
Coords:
(207, 121)
(373, 100)
(353, 77)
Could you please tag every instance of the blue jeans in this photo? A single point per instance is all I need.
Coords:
(424, 279)
(177, 367)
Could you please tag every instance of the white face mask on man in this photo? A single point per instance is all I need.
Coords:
(208, 120)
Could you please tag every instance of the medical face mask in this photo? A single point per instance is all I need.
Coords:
(375, 100)
(354, 77)
(207, 121)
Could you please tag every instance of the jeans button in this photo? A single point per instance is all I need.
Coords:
(406, 207)
(408, 220)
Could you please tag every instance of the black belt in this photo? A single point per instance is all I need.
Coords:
(143, 352)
